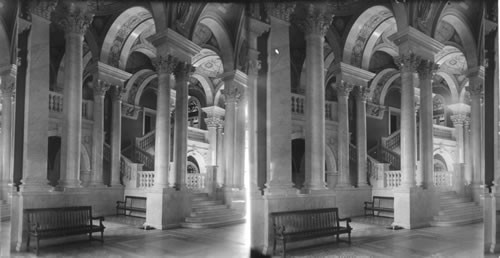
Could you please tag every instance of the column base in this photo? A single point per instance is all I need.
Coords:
(35, 185)
(344, 186)
(414, 207)
(477, 190)
(69, 184)
(280, 188)
(364, 186)
(167, 208)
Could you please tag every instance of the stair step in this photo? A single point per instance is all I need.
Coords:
(478, 214)
(197, 204)
(452, 223)
(466, 209)
(215, 224)
(455, 205)
(212, 207)
(4, 211)
(201, 219)
(212, 212)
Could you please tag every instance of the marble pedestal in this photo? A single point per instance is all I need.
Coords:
(167, 208)
(350, 200)
(261, 206)
(415, 207)
(477, 191)
(102, 199)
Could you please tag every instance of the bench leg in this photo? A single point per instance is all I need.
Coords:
(349, 238)
(37, 246)
(102, 236)
(28, 243)
(284, 248)
(274, 246)
(338, 238)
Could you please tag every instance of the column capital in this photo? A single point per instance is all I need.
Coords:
(475, 89)
(165, 63)
(467, 122)
(232, 94)
(43, 8)
(408, 62)
(214, 121)
(169, 42)
(344, 88)
(279, 10)
(411, 40)
(257, 27)
(183, 71)
(458, 119)
(426, 69)
(214, 111)
(362, 93)
(100, 88)
(354, 75)
(254, 64)
(459, 108)
(110, 74)
(118, 92)
(74, 16)
(314, 19)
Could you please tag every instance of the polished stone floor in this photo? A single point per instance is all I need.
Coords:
(370, 238)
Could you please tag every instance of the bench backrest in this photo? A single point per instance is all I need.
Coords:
(62, 217)
(135, 201)
(383, 201)
(301, 220)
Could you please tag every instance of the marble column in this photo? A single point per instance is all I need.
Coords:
(426, 71)
(7, 88)
(116, 135)
(221, 165)
(408, 64)
(278, 116)
(255, 29)
(232, 95)
(100, 87)
(182, 73)
(458, 175)
(475, 89)
(343, 90)
(315, 22)
(239, 140)
(468, 152)
(165, 65)
(75, 23)
(361, 97)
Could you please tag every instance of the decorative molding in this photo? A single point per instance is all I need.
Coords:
(458, 119)
(257, 27)
(8, 75)
(279, 10)
(375, 111)
(169, 42)
(362, 93)
(74, 16)
(411, 40)
(118, 93)
(183, 71)
(355, 75)
(233, 94)
(235, 77)
(214, 111)
(110, 74)
(214, 121)
(130, 111)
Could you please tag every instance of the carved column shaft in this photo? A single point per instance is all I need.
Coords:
(408, 63)
(425, 176)
(165, 66)
(100, 87)
(314, 23)
(116, 134)
(74, 18)
(343, 90)
(233, 95)
(361, 98)
(475, 89)
(182, 73)
(7, 89)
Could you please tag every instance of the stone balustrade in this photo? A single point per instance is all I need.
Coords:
(443, 132)
(145, 142)
(298, 102)
(195, 182)
(145, 179)
(392, 178)
(56, 105)
(392, 141)
(443, 179)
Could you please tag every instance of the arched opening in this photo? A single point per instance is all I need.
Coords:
(439, 163)
(192, 166)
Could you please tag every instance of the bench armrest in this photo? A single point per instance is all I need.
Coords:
(100, 218)
(279, 230)
(347, 220)
(34, 227)
(119, 202)
(368, 203)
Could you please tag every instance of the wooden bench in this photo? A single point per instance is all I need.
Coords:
(290, 226)
(60, 222)
(381, 205)
(133, 206)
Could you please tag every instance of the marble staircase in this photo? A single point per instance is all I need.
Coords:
(455, 210)
(207, 213)
(4, 211)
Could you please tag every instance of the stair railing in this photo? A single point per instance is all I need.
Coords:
(145, 158)
(392, 141)
(443, 179)
(390, 157)
(145, 142)
(196, 182)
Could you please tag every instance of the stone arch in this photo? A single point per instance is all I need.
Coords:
(207, 86)
(381, 83)
(361, 31)
(220, 32)
(452, 85)
(446, 155)
(123, 32)
(459, 22)
(200, 159)
(218, 94)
